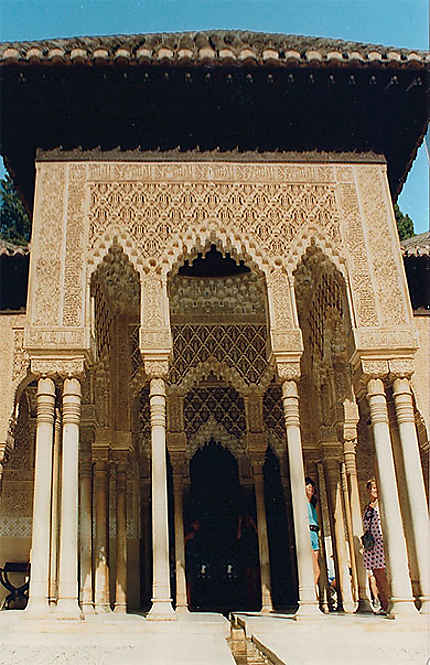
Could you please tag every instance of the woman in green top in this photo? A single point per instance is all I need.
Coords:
(313, 525)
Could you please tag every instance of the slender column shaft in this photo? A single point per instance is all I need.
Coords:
(101, 563)
(161, 599)
(357, 525)
(335, 493)
(308, 605)
(68, 590)
(147, 550)
(325, 600)
(414, 485)
(85, 538)
(41, 529)
(348, 521)
(53, 591)
(121, 540)
(181, 585)
(263, 543)
(394, 539)
(292, 559)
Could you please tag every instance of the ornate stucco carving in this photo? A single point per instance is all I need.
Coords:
(66, 367)
(240, 346)
(239, 298)
(220, 402)
(212, 429)
(208, 369)
(261, 203)
(47, 245)
(382, 247)
(21, 359)
(74, 253)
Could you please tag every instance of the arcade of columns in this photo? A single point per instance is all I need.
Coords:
(113, 321)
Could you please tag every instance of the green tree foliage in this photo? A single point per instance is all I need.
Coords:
(15, 225)
(405, 225)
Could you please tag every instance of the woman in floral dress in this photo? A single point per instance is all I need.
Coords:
(374, 558)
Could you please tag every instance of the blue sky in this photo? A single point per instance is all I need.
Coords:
(391, 22)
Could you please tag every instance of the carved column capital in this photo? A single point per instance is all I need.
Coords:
(401, 368)
(288, 370)
(67, 367)
(176, 441)
(256, 441)
(156, 368)
(257, 460)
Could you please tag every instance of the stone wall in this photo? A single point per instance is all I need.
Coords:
(421, 378)
(13, 365)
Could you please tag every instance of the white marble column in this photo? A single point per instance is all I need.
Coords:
(335, 498)
(414, 485)
(181, 585)
(85, 536)
(322, 511)
(41, 528)
(146, 533)
(392, 527)
(308, 604)
(101, 562)
(357, 525)
(53, 591)
(263, 542)
(349, 533)
(121, 539)
(68, 589)
(161, 599)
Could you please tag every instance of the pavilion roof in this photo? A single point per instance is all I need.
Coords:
(11, 249)
(418, 245)
(221, 94)
(213, 47)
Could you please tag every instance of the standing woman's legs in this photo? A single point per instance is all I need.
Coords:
(382, 584)
(316, 566)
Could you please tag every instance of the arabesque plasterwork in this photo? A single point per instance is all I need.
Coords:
(267, 214)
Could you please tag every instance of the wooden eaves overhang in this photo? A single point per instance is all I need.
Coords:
(220, 93)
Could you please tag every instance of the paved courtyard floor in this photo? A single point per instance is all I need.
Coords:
(200, 639)
(340, 639)
(197, 639)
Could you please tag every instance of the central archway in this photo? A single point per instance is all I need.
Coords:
(214, 557)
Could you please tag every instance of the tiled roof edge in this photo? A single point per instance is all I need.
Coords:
(418, 245)
(216, 46)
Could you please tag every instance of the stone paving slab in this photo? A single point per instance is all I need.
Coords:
(340, 639)
(196, 639)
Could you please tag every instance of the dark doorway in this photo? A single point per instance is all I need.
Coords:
(215, 573)
(281, 537)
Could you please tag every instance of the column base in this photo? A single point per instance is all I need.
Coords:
(402, 608)
(88, 609)
(182, 610)
(349, 607)
(38, 608)
(425, 605)
(161, 610)
(68, 609)
(309, 609)
(364, 606)
(102, 608)
(266, 609)
(120, 608)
